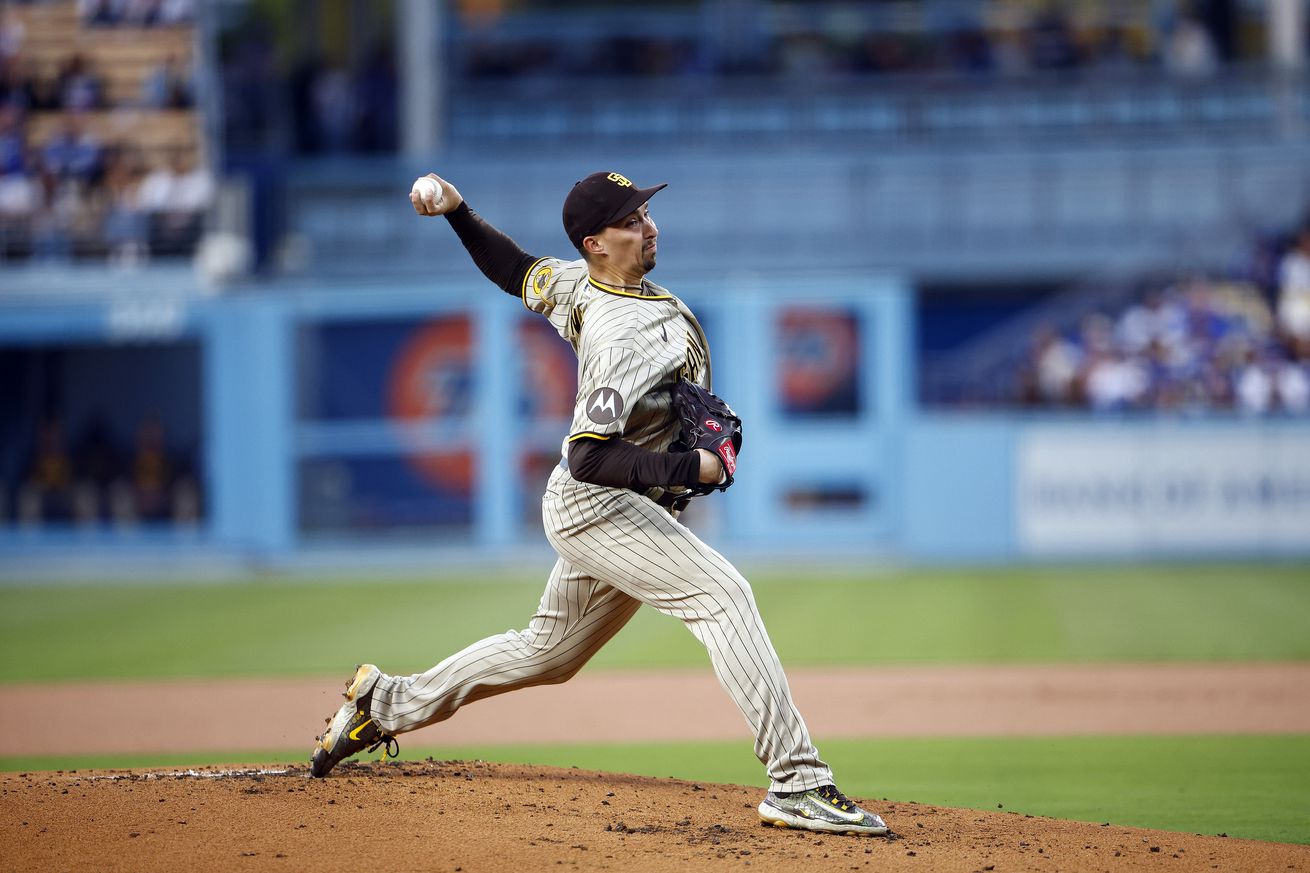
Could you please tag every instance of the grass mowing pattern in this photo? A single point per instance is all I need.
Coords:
(1251, 787)
(280, 627)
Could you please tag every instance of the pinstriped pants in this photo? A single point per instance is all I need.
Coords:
(619, 550)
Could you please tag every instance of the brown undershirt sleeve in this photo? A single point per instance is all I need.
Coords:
(615, 463)
(498, 257)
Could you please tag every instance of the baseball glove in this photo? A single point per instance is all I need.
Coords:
(707, 423)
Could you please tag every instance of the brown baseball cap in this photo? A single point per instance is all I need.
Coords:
(598, 201)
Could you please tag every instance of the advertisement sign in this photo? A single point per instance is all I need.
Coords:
(818, 362)
(410, 373)
(1165, 490)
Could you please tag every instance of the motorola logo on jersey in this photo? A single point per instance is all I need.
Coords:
(604, 406)
(713, 425)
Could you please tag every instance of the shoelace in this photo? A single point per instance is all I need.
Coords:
(392, 749)
(836, 798)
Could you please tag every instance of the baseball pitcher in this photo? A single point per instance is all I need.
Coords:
(647, 436)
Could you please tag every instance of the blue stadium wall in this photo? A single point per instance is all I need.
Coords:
(420, 418)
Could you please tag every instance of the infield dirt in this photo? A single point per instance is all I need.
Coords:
(996, 700)
(473, 816)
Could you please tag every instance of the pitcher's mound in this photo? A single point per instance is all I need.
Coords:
(475, 816)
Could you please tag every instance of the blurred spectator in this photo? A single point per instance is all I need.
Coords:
(175, 195)
(195, 185)
(157, 192)
(46, 491)
(1141, 324)
(44, 89)
(174, 12)
(1056, 363)
(1294, 295)
(1190, 50)
(59, 205)
(1292, 384)
(157, 487)
(73, 152)
(143, 494)
(12, 34)
(18, 196)
(140, 13)
(18, 191)
(167, 86)
(99, 11)
(1115, 381)
(124, 228)
(1255, 385)
(12, 146)
(18, 87)
(78, 86)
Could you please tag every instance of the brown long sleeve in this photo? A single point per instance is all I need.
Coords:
(616, 463)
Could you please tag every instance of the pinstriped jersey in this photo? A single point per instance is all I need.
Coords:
(632, 346)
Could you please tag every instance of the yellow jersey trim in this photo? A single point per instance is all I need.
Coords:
(621, 293)
(588, 435)
(523, 291)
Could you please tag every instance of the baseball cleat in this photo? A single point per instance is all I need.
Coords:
(352, 729)
(361, 684)
(823, 809)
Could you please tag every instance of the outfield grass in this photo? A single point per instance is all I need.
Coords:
(1252, 787)
(281, 627)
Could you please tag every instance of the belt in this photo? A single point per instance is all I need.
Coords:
(676, 501)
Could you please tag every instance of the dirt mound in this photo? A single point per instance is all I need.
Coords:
(474, 816)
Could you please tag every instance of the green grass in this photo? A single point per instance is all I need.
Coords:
(1252, 787)
(298, 627)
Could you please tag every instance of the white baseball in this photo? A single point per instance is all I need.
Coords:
(428, 191)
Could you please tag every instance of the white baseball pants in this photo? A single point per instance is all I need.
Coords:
(619, 550)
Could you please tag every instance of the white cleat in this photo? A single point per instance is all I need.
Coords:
(823, 809)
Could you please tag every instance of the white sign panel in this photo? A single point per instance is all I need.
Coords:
(1169, 489)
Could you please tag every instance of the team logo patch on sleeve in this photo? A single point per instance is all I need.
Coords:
(541, 280)
(604, 406)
